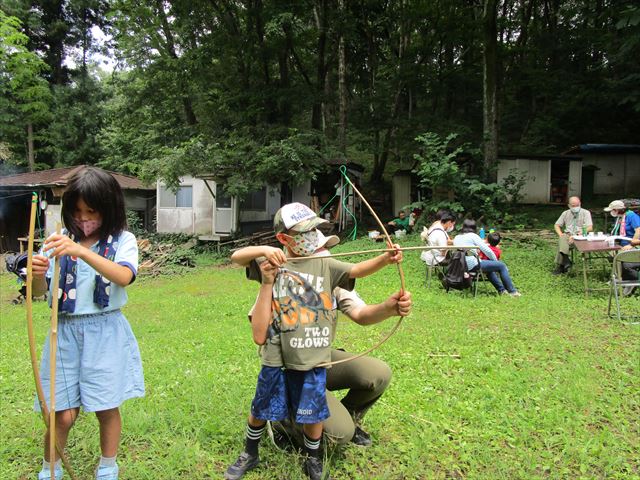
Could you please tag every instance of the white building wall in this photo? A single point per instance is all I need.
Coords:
(301, 193)
(272, 206)
(632, 175)
(401, 188)
(617, 174)
(575, 179)
(537, 186)
(196, 220)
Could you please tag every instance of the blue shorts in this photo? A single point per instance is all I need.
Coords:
(281, 392)
(98, 364)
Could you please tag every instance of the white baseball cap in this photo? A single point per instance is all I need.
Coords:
(615, 205)
(296, 215)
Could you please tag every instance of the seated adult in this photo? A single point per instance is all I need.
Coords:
(497, 271)
(627, 222)
(399, 223)
(437, 235)
(568, 225)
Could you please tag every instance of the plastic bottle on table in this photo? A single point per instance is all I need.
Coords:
(481, 233)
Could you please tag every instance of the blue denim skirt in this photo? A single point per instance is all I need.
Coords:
(98, 364)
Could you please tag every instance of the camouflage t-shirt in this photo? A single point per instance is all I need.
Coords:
(303, 311)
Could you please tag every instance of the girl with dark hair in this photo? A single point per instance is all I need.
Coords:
(496, 271)
(97, 354)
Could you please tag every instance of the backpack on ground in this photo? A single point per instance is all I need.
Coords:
(457, 276)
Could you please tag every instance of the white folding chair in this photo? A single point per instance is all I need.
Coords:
(617, 283)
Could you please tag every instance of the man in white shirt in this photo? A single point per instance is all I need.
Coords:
(569, 224)
(437, 235)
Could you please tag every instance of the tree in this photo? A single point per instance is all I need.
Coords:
(490, 84)
(25, 94)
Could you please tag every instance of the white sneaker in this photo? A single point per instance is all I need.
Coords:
(516, 294)
(628, 291)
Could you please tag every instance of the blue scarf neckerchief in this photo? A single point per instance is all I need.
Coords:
(68, 271)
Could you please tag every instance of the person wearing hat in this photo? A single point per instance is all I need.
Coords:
(627, 222)
(293, 320)
(569, 224)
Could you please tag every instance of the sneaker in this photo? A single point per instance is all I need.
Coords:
(244, 463)
(628, 291)
(107, 473)
(515, 294)
(361, 438)
(313, 468)
(45, 474)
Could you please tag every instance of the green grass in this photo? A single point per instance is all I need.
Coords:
(546, 387)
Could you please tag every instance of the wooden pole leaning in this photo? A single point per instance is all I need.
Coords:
(53, 344)
(32, 337)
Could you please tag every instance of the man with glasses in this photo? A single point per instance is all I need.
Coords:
(574, 221)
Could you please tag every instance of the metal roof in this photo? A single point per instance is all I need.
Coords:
(58, 177)
(604, 148)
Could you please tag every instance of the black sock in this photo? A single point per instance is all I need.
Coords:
(311, 446)
(253, 439)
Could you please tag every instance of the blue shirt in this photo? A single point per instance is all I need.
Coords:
(631, 222)
(126, 254)
(471, 239)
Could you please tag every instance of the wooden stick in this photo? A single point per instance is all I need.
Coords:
(44, 410)
(383, 250)
(443, 355)
(53, 343)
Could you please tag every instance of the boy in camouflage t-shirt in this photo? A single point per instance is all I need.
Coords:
(294, 318)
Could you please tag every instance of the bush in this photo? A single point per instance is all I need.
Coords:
(134, 224)
(446, 173)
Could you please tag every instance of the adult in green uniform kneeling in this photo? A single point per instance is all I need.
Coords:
(366, 378)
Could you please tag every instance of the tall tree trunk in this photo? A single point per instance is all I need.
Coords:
(342, 88)
(169, 45)
(320, 14)
(285, 84)
(30, 152)
(389, 134)
(269, 103)
(490, 84)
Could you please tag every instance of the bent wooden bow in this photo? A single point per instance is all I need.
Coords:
(47, 415)
(393, 330)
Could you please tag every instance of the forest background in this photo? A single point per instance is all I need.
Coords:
(263, 90)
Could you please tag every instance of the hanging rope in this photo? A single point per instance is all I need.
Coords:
(343, 193)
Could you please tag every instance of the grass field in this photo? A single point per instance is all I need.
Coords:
(546, 386)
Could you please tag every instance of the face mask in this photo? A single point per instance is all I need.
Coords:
(450, 229)
(88, 226)
(305, 243)
(575, 209)
(614, 214)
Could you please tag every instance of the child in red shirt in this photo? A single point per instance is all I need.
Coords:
(493, 239)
